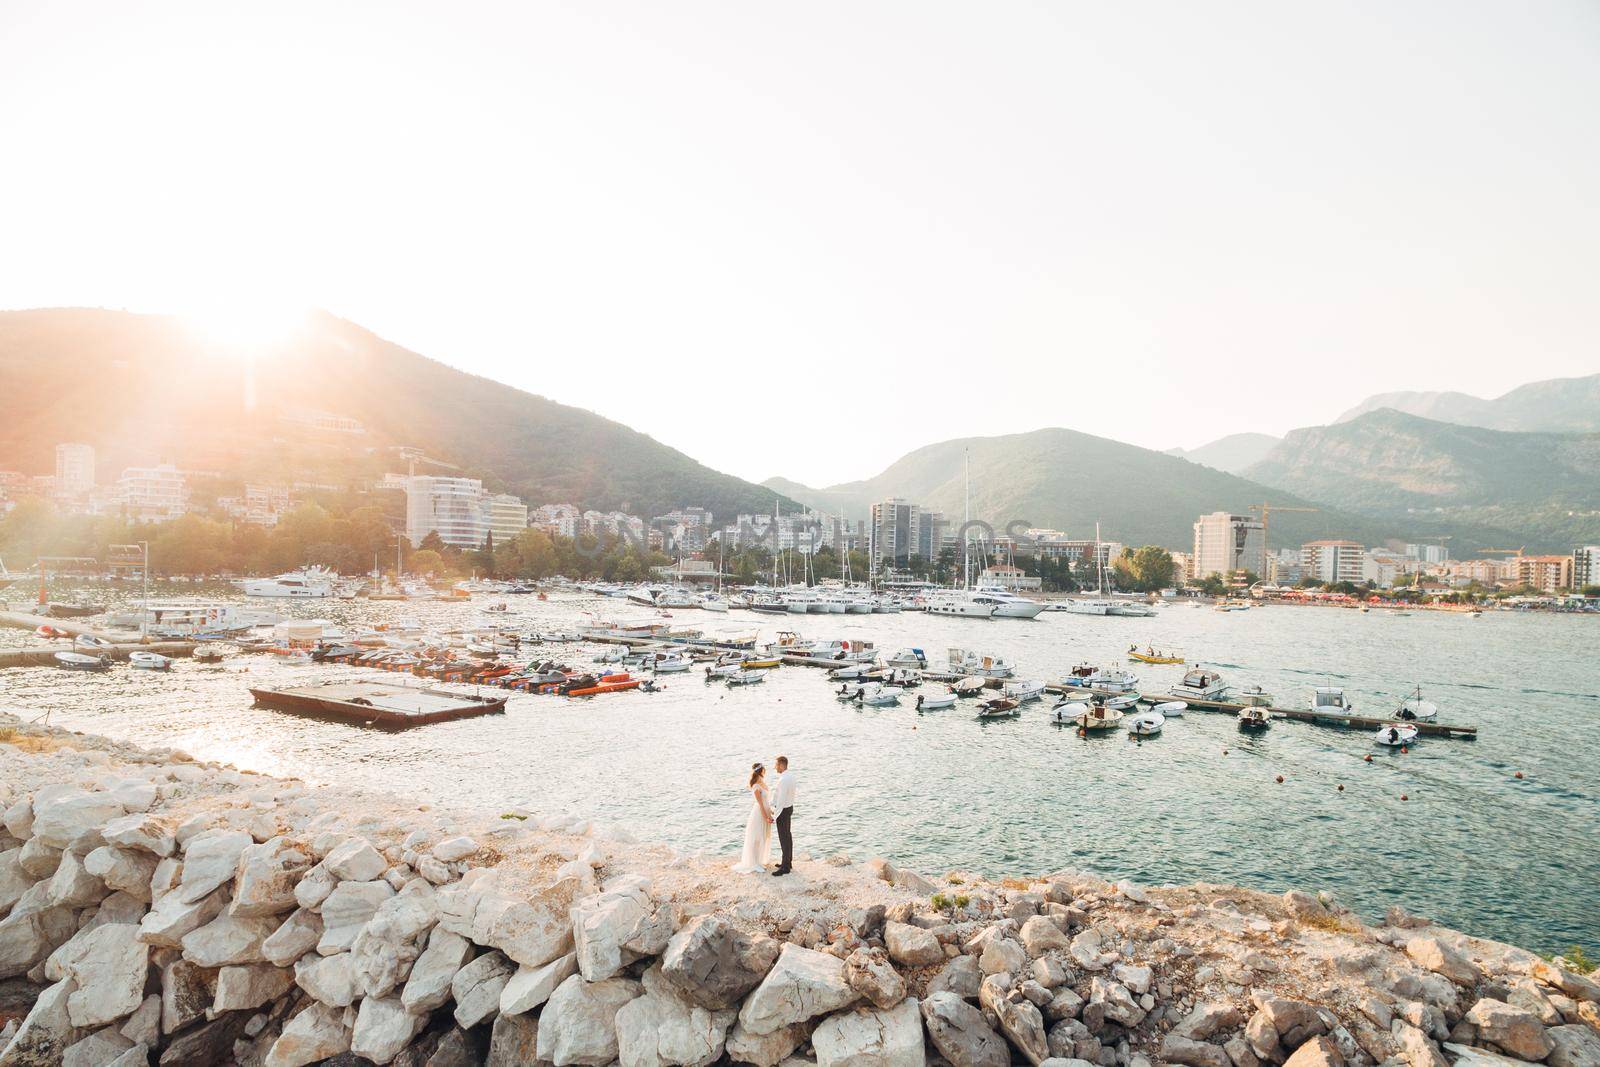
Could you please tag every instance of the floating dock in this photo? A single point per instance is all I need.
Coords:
(1322, 718)
(393, 707)
(46, 657)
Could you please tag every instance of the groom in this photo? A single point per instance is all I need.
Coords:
(783, 804)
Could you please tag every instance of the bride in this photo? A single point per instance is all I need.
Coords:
(758, 829)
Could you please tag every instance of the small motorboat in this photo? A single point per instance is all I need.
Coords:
(844, 674)
(77, 661)
(208, 654)
(852, 690)
(671, 663)
(1201, 684)
(149, 661)
(1414, 709)
(1395, 734)
(1254, 719)
(91, 643)
(757, 662)
(934, 701)
(750, 677)
(881, 697)
(1171, 709)
(908, 657)
(999, 708)
(1151, 655)
(968, 687)
(589, 685)
(1098, 717)
(1330, 700)
(723, 670)
(1117, 701)
(1067, 712)
(50, 633)
(1146, 723)
(1255, 696)
(903, 677)
(1022, 691)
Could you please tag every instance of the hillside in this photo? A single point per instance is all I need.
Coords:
(1232, 453)
(1067, 480)
(1559, 405)
(1540, 487)
(143, 388)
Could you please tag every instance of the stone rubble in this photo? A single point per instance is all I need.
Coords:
(154, 910)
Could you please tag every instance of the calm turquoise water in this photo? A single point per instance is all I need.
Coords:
(1472, 846)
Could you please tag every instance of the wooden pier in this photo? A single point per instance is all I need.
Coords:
(1321, 718)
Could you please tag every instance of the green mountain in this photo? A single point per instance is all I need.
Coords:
(1539, 488)
(1232, 453)
(1559, 405)
(1065, 480)
(146, 388)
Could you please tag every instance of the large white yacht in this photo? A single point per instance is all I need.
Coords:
(313, 583)
(1007, 605)
(960, 603)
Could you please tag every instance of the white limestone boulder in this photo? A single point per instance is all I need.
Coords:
(355, 860)
(72, 886)
(266, 877)
(802, 985)
(531, 929)
(349, 908)
(384, 1027)
(579, 1022)
(108, 972)
(613, 929)
(329, 980)
(250, 985)
(872, 1038)
(46, 1032)
(123, 869)
(229, 940)
(530, 987)
(317, 1033)
(172, 918)
(141, 831)
(476, 988)
(209, 861)
(665, 1029)
(60, 819)
(298, 935)
(428, 985)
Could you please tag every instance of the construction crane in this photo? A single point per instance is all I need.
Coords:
(1266, 511)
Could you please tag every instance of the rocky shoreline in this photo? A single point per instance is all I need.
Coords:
(154, 909)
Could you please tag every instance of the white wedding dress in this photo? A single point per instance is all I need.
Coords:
(757, 836)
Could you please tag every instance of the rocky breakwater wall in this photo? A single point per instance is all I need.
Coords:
(156, 910)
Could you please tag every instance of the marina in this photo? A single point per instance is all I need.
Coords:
(1013, 790)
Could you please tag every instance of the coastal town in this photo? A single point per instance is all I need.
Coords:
(901, 543)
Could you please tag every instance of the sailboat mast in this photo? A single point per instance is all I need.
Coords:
(966, 535)
(1099, 560)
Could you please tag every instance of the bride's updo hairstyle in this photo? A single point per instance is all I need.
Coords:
(756, 771)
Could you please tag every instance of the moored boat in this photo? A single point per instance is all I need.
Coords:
(1395, 734)
(149, 661)
(1146, 723)
(1201, 684)
(934, 701)
(1414, 709)
(999, 708)
(1254, 719)
(78, 661)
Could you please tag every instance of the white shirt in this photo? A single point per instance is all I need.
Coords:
(783, 796)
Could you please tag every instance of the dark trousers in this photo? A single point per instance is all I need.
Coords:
(784, 840)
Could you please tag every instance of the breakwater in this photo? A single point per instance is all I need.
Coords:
(156, 909)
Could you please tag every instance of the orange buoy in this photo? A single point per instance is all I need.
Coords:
(1341, 789)
(1404, 750)
(1519, 774)
(1404, 797)
(1368, 757)
(1224, 752)
(1280, 777)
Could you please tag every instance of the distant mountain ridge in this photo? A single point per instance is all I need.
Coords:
(1232, 453)
(143, 388)
(1541, 487)
(1066, 480)
(1556, 405)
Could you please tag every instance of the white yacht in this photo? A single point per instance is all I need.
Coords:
(1330, 699)
(185, 618)
(962, 604)
(1083, 607)
(832, 602)
(1007, 605)
(313, 583)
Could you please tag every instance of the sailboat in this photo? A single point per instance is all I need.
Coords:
(1102, 603)
(963, 602)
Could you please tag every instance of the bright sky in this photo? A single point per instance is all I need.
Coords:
(805, 239)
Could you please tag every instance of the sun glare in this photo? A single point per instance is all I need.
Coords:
(247, 326)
